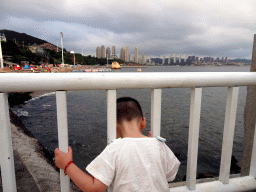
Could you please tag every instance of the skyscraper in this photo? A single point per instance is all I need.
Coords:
(144, 59)
(113, 50)
(180, 58)
(169, 59)
(103, 53)
(163, 62)
(136, 55)
(108, 52)
(122, 54)
(174, 58)
(98, 52)
(127, 55)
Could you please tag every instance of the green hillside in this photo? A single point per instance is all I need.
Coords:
(14, 51)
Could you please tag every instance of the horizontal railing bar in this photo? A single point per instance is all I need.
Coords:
(13, 82)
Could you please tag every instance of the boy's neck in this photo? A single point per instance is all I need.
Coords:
(131, 129)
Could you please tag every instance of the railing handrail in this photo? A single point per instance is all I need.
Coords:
(11, 82)
(63, 82)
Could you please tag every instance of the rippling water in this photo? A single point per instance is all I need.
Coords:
(88, 122)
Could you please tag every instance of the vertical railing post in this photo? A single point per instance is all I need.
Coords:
(253, 160)
(228, 135)
(111, 115)
(194, 123)
(156, 96)
(62, 120)
(6, 150)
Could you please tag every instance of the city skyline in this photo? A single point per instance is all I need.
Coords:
(143, 59)
(217, 28)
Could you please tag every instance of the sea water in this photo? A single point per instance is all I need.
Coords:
(87, 119)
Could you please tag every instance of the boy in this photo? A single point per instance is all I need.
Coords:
(133, 162)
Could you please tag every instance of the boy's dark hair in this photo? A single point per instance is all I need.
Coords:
(128, 109)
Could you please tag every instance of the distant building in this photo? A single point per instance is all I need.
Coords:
(36, 49)
(143, 59)
(98, 52)
(48, 46)
(127, 54)
(174, 58)
(169, 59)
(163, 62)
(113, 50)
(136, 55)
(2, 37)
(108, 52)
(102, 52)
(122, 54)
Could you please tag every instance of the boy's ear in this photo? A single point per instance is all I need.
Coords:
(143, 123)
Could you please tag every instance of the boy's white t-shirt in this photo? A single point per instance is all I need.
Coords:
(135, 164)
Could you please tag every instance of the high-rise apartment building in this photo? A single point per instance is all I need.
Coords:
(136, 55)
(113, 50)
(143, 59)
(127, 54)
(122, 54)
(169, 59)
(103, 53)
(174, 58)
(108, 52)
(185, 58)
(98, 52)
(163, 60)
(180, 58)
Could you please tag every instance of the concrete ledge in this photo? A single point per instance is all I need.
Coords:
(236, 183)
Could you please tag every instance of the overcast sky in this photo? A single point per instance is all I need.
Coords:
(216, 28)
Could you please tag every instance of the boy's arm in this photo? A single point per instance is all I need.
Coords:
(84, 181)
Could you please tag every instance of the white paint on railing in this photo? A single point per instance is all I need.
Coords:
(194, 123)
(29, 82)
(111, 115)
(253, 160)
(156, 95)
(62, 120)
(228, 135)
(6, 150)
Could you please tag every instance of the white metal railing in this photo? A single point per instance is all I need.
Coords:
(63, 82)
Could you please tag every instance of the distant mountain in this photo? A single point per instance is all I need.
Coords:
(19, 37)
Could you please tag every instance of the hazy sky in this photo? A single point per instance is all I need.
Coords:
(216, 28)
